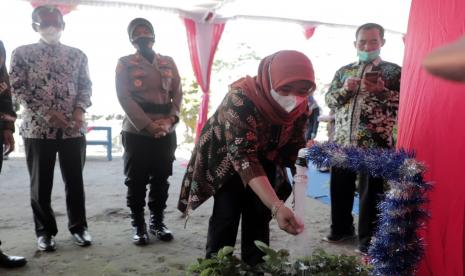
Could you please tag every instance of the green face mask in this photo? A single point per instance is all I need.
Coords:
(368, 56)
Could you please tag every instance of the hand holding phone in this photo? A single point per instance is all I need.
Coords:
(372, 76)
(351, 84)
(372, 82)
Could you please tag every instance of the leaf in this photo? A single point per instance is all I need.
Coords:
(228, 250)
(207, 272)
(276, 263)
(266, 249)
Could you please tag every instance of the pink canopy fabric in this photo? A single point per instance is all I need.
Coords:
(309, 30)
(431, 122)
(203, 38)
(64, 8)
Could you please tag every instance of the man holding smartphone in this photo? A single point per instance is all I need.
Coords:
(365, 98)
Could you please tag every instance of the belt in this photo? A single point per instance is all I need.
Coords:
(156, 108)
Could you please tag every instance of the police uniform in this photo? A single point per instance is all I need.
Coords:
(147, 91)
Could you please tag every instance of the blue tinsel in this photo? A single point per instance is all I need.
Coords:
(396, 247)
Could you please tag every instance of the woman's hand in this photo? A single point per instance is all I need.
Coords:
(287, 221)
(285, 217)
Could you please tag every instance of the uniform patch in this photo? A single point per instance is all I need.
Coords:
(135, 59)
(167, 73)
(138, 73)
(162, 61)
(137, 83)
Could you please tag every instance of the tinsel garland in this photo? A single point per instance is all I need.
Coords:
(396, 247)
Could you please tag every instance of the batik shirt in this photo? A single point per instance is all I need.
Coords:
(49, 77)
(363, 118)
(234, 141)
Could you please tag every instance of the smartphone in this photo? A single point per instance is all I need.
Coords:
(372, 76)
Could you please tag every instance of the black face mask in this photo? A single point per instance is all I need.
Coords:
(144, 49)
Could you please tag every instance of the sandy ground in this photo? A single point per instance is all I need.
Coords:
(112, 252)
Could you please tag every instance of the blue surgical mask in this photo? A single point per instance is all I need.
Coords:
(368, 56)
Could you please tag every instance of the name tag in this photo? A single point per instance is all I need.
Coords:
(71, 89)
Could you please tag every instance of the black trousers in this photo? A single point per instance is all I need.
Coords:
(148, 160)
(41, 157)
(342, 191)
(232, 200)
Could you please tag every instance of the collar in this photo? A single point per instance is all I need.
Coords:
(41, 42)
(139, 58)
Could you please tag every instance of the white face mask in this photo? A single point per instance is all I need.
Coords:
(50, 35)
(287, 102)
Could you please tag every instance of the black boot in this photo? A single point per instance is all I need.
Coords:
(11, 261)
(158, 228)
(139, 229)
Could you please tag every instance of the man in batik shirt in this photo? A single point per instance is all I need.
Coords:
(365, 98)
(52, 82)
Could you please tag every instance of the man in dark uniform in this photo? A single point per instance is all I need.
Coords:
(149, 90)
(7, 142)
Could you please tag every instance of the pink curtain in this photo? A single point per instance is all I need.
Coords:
(309, 30)
(431, 122)
(64, 8)
(203, 39)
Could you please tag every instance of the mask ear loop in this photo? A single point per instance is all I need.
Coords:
(269, 72)
(275, 130)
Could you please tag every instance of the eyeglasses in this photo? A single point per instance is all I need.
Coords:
(301, 92)
(46, 24)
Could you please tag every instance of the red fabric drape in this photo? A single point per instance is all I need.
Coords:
(309, 30)
(203, 40)
(64, 9)
(431, 122)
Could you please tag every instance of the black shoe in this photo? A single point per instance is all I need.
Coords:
(11, 261)
(140, 235)
(334, 238)
(82, 238)
(139, 228)
(46, 243)
(160, 231)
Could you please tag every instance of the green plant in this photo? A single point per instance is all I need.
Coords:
(276, 263)
(226, 68)
(230, 65)
(190, 108)
(322, 263)
(223, 263)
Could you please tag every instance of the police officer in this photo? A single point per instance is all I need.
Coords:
(149, 90)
